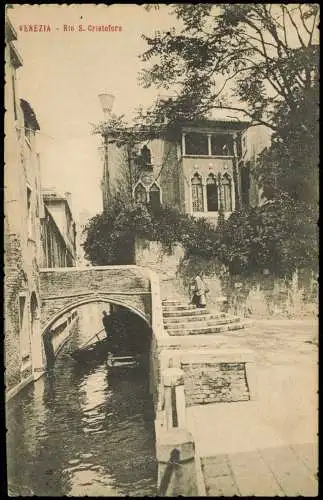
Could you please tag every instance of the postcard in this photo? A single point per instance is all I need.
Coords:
(161, 249)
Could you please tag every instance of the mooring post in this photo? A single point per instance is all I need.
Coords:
(173, 380)
(176, 463)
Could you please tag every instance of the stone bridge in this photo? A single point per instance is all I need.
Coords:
(63, 289)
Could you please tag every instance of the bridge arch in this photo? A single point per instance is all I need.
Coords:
(93, 299)
(63, 289)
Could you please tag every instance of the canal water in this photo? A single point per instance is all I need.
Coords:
(80, 431)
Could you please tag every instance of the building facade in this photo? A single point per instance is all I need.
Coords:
(24, 356)
(83, 218)
(58, 231)
(254, 140)
(196, 170)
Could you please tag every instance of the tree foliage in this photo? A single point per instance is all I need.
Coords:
(277, 237)
(263, 53)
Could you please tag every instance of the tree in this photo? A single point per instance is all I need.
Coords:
(290, 165)
(259, 59)
(267, 52)
(110, 236)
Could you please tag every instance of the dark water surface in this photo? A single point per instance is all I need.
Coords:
(82, 431)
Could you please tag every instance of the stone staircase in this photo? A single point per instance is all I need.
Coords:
(182, 318)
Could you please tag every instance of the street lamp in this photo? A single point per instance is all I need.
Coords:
(106, 102)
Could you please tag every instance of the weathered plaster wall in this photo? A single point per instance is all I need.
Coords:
(258, 297)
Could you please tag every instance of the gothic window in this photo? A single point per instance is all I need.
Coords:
(196, 144)
(222, 145)
(197, 194)
(140, 194)
(154, 197)
(212, 194)
(226, 193)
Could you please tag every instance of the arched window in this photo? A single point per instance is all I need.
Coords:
(146, 157)
(154, 196)
(212, 194)
(226, 193)
(197, 194)
(140, 194)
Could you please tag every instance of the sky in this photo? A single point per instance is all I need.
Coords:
(62, 74)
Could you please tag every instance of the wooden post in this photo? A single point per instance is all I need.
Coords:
(182, 480)
(173, 379)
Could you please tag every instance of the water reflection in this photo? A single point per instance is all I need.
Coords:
(81, 431)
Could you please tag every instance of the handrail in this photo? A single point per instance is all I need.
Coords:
(172, 465)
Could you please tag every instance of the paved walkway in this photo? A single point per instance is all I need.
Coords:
(279, 471)
(267, 446)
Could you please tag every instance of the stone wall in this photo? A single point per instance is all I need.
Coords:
(150, 254)
(63, 289)
(61, 331)
(261, 296)
(215, 382)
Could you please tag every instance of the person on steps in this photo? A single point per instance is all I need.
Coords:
(199, 290)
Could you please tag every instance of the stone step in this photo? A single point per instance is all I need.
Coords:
(175, 301)
(192, 311)
(184, 300)
(207, 330)
(178, 304)
(179, 308)
(193, 317)
(199, 324)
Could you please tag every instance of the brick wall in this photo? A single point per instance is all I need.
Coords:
(15, 282)
(126, 285)
(215, 383)
(21, 238)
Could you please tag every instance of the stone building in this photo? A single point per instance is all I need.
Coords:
(23, 346)
(58, 231)
(254, 141)
(197, 169)
(83, 218)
